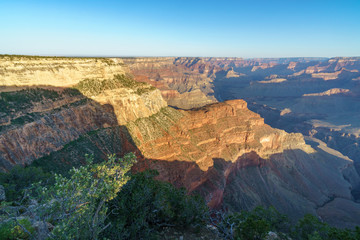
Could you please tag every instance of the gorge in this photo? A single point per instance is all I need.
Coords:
(184, 118)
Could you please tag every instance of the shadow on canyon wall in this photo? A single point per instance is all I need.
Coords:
(294, 182)
(55, 127)
(269, 100)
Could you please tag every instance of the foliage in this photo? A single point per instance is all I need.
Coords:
(258, 223)
(96, 86)
(12, 57)
(11, 229)
(75, 206)
(29, 94)
(71, 92)
(20, 100)
(99, 143)
(253, 225)
(311, 228)
(145, 205)
(19, 178)
(102, 196)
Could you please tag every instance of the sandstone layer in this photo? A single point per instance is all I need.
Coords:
(47, 125)
(55, 71)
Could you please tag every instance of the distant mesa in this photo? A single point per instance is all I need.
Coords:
(264, 66)
(233, 74)
(275, 80)
(319, 123)
(327, 76)
(285, 111)
(329, 92)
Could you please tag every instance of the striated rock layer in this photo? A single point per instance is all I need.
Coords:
(55, 71)
(49, 125)
(227, 153)
(223, 130)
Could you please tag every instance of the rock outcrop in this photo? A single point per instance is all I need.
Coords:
(55, 71)
(35, 122)
(227, 153)
(329, 92)
(185, 83)
(222, 130)
(51, 129)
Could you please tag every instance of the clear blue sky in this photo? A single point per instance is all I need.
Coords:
(263, 28)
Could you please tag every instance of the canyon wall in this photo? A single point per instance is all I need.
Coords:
(55, 71)
(38, 115)
(315, 96)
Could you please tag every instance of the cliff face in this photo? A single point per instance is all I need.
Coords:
(223, 130)
(183, 84)
(195, 82)
(35, 122)
(303, 91)
(227, 153)
(50, 130)
(55, 71)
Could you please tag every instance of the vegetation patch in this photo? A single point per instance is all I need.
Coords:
(145, 205)
(90, 87)
(73, 207)
(107, 61)
(104, 201)
(11, 229)
(155, 125)
(11, 102)
(95, 201)
(23, 99)
(19, 179)
(267, 223)
(98, 143)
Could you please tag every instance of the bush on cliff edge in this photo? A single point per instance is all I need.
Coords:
(145, 205)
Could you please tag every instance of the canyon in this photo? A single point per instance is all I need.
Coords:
(313, 96)
(184, 118)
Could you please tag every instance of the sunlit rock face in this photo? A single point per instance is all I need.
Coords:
(293, 94)
(55, 71)
(222, 130)
(56, 125)
(54, 115)
(297, 91)
(227, 153)
(184, 82)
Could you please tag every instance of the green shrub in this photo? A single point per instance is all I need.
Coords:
(76, 205)
(97, 86)
(310, 227)
(10, 230)
(23, 99)
(30, 94)
(145, 205)
(254, 225)
(20, 178)
(71, 92)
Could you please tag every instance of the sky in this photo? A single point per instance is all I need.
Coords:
(248, 29)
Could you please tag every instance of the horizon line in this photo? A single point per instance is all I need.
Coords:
(155, 56)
